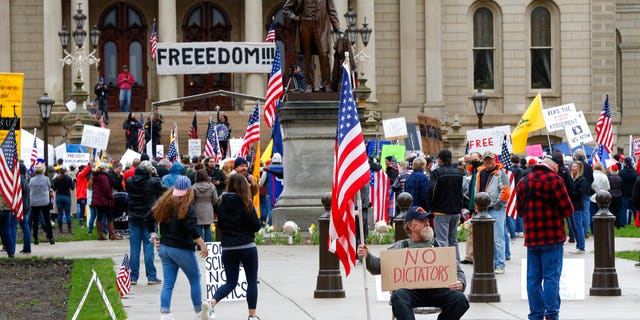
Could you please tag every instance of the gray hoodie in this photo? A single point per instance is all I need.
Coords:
(205, 198)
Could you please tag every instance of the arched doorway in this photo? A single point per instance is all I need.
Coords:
(206, 22)
(123, 41)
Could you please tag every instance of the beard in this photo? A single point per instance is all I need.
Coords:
(426, 233)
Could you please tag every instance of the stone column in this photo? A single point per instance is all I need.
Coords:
(5, 37)
(367, 68)
(433, 54)
(253, 32)
(85, 69)
(53, 70)
(167, 84)
(408, 51)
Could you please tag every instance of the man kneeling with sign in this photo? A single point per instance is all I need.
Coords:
(420, 265)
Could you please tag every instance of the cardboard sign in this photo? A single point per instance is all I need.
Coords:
(195, 146)
(418, 268)
(395, 150)
(216, 277)
(482, 140)
(11, 89)
(579, 132)
(560, 117)
(395, 128)
(128, 157)
(571, 279)
(534, 150)
(95, 137)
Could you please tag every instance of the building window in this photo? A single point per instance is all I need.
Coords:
(483, 49)
(541, 47)
(110, 60)
(135, 61)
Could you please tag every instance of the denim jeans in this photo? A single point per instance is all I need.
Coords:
(138, 234)
(205, 232)
(519, 224)
(586, 215)
(446, 231)
(26, 232)
(7, 223)
(63, 204)
(453, 303)
(231, 260)
(507, 240)
(498, 236)
(93, 213)
(125, 96)
(82, 205)
(174, 259)
(511, 227)
(578, 232)
(544, 266)
(265, 210)
(627, 205)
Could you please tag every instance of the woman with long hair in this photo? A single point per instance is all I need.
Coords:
(177, 220)
(205, 198)
(579, 189)
(238, 223)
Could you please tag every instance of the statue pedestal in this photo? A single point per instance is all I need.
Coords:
(309, 130)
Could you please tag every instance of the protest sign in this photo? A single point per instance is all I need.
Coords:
(61, 152)
(579, 132)
(571, 279)
(234, 147)
(128, 157)
(76, 159)
(214, 270)
(636, 147)
(482, 140)
(394, 150)
(395, 128)
(534, 150)
(11, 87)
(160, 151)
(194, 147)
(418, 268)
(560, 117)
(95, 137)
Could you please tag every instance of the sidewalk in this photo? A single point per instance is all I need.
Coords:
(288, 279)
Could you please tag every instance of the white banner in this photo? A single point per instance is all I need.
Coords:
(214, 270)
(95, 137)
(234, 146)
(128, 157)
(195, 146)
(579, 132)
(76, 159)
(560, 117)
(214, 57)
(61, 153)
(482, 140)
(395, 128)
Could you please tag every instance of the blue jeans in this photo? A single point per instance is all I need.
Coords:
(265, 210)
(507, 241)
(63, 204)
(519, 224)
(453, 303)
(231, 260)
(627, 205)
(578, 232)
(138, 234)
(498, 236)
(125, 96)
(446, 231)
(586, 215)
(511, 227)
(93, 213)
(544, 266)
(26, 232)
(205, 232)
(174, 259)
(8, 222)
(82, 204)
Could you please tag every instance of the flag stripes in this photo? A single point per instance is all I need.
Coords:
(379, 195)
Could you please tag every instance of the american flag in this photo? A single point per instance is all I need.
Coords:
(193, 131)
(274, 90)
(153, 41)
(600, 155)
(212, 147)
(10, 173)
(123, 280)
(34, 153)
(253, 132)
(350, 174)
(141, 135)
(379, 194)
(505, 159)
(172, 154)
(271, 33)
(603, 127)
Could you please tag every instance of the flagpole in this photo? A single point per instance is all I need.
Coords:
(549, 140)
(364, 261)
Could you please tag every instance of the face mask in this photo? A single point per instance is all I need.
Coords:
(476, 163)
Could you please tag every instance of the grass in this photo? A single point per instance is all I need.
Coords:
(629, 231)
(629, 255)
(94, 307)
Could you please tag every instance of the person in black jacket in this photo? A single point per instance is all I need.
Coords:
(218, 178)
(629, 176)
(143, 189)
(445, 190)
(131, 126)
(588, 176)
(238, 224)
(102, 92)
(152, 132)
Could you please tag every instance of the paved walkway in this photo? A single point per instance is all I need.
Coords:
(288, 279)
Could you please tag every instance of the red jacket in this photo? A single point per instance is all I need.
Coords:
(81, 183)
(126, 175)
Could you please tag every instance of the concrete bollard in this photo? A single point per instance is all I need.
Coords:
(605, 278)
(484, 287)
(329, 279)
(405, 200)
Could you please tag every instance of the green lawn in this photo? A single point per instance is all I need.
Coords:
(94, 307)
(629, 231)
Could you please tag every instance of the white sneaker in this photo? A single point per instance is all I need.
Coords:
(577, 251)
(166, 317)
(499, 270)
(207, 312)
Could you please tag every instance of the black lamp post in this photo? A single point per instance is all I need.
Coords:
(46, 104)
(351, 32)
(480, 103)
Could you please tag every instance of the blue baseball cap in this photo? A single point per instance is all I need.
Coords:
(417, 213)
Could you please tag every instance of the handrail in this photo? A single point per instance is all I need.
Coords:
(199, 96)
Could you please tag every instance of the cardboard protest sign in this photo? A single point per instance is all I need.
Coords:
(579, 132)
(560, 117)
(216, 277)
(129, 156)
(194, 147)
(534, 150)
(95, 137)
(395, 128)
(482, 140)
(395, 150)
(11, 88)
(418, 268)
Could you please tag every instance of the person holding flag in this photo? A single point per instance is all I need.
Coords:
(131, 126)
(152, 132)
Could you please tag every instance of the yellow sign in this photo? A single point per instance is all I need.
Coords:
(11, 85)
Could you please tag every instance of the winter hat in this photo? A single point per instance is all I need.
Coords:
(181, 186)
(276, 158)
(240, 161)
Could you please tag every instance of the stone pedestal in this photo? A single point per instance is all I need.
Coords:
(309, 130)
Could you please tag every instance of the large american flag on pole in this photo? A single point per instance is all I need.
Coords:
(379, 194)
(212, 147)
(193, 130)
(274, 90)
(350, 174)
(141, 135)
(153, 41)
(123, 280)
(505, 159)
(253, 131)
(603, 127)
(10, 173)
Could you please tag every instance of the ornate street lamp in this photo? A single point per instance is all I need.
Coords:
(46, 104)
(480, 103)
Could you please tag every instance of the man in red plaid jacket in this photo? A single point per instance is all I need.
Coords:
(543, 203)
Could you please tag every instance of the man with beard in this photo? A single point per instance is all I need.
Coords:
(475, 158)
(218, 178)
(451, 300)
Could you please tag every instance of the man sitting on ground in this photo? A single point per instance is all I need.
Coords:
(451, 300)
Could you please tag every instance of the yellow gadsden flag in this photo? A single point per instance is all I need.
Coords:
(531, 120)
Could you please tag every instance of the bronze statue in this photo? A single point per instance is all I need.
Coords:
(312, 19)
